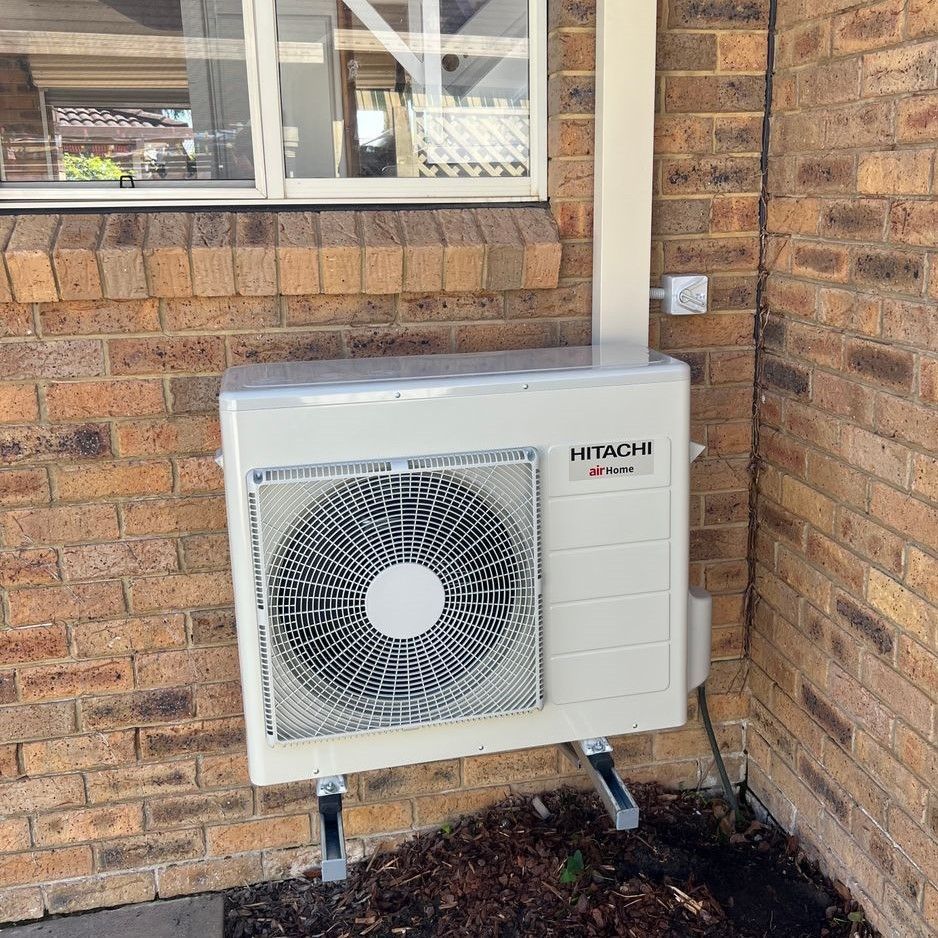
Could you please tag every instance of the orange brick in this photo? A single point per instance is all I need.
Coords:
(151, 849)
(100, 892)
(194, 434)
(463, 250)
(44, 866)
(542, 249)
(191, 589)
(186, 810)
(383, 258)
(76, 267)
(914, 222)
(197, 665)
(120, 257)
(78, 752)
(21, 904)
(88, 824)
(903, 698)
(166, 354)
(917, 116)
(435, 809)
(224, 839)
(913, 517)
(361, 820)
(183, 879)
(255, 256)
(78, 401)
(409, 780)
(804, 502)
(140, 781)
(58, 525)
(66, 358)
(174, 515)
(138, 709)
(93, 639)
(28, 795)
(921, 848)
(855, 703)
(28, 567)
(340, 252)
(298, 253)
(869, 27)
(112, 480)
(33, 644)
(258, 348)
(679, 133)
(127, 558)
(219, 313)
(28, 258)
(335, 308)
(18, 403)
(895, 71)
(503, 768)
(99, 317)
(210, 254)
(55, 681)
(895, 172)
(218, 700)
(14, 835)
(741, 52)
(191, 738)
(56, 603)
(904, 607)
(166, 255)
(223, 771)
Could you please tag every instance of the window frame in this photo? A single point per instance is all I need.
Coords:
(272, 188)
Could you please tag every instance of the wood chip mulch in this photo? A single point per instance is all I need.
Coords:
(512, 873)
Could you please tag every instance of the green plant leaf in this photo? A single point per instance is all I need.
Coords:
(573, 868)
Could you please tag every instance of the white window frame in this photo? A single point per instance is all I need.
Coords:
(271, 188)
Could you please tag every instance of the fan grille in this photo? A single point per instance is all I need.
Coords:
(324, 535)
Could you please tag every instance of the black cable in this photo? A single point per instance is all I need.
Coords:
(728, 789)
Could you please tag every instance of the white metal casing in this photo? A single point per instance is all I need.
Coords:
(614, 549)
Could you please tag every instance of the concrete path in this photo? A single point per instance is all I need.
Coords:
(195, 917)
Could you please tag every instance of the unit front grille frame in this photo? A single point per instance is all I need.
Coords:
(477, 515)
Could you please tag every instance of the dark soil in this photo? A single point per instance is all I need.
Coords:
(508, 873)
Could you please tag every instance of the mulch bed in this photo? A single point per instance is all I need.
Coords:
(509, 873)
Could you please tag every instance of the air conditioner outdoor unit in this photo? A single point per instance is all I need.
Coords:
(443, 556)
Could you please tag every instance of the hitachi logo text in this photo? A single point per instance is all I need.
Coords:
(610, 451)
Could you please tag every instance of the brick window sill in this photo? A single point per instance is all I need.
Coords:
(182, 254)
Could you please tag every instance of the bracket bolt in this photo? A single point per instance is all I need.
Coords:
(330, 788)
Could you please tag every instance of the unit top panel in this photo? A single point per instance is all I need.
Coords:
(291, 383)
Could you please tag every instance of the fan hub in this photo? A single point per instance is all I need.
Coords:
(405, 600)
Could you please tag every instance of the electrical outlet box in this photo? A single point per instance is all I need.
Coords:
(685, 295)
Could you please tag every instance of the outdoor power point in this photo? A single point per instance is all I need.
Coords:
(684, 295)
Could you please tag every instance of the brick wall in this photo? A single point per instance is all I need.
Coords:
(121, 751)
(844, 675)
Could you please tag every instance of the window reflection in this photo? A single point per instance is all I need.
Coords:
(92, 90)
(406, 88)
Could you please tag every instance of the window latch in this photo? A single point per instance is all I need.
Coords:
(126, 177)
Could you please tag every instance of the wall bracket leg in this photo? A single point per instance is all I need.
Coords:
(329, 792)
(595, 756)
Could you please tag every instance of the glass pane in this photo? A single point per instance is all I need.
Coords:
(413, 88)
(92, 90)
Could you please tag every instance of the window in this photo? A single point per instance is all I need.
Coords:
(192, 101)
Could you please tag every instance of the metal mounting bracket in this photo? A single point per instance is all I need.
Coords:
(329, 791)
(595, 755)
